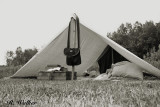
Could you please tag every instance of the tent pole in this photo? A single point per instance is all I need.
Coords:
(112, 57)
(73, 68)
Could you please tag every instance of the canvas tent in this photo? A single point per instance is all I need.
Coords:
(94, 48)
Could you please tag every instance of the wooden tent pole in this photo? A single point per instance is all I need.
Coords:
(112, 57)
(73, 68)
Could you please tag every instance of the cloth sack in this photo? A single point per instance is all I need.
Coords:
(128, 69)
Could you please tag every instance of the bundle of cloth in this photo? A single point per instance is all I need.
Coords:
(122, 69)
(54, 69)
(91, 74)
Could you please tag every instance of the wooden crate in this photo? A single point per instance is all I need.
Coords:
(64, 75)
(45, 75)
(59, 75)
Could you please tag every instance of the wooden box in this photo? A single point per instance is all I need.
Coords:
(59, 75)
(64, 75)
(45, 75)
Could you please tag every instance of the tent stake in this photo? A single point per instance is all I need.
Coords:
(73, 68)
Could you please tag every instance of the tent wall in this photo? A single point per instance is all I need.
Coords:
(91, 48)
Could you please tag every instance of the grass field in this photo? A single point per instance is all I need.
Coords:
(79, 93)
(88, 93)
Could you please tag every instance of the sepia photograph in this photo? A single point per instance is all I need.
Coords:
(79, 53)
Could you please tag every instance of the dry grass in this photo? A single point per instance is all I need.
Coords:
(88, 93)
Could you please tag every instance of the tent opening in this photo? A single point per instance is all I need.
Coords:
(109, 56)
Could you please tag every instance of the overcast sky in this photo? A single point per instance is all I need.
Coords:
(29, 23)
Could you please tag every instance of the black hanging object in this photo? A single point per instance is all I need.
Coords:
(73, 56)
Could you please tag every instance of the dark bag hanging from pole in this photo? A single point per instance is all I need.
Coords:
(73, 56)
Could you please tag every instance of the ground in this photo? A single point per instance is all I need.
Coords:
(79, 93)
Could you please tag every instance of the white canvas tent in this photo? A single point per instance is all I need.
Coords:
(92, 46)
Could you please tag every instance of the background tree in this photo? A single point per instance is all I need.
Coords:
(153, 57)
(138, 38)
(19, 57)
(9, 57)
(29, 53)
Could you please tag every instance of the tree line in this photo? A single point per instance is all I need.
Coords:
(138, 38)
(19, 57)
(153, 57)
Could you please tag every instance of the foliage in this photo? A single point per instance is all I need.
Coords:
(19, 57)
(6, 71)
(138, 38)
(80, 93)
(153, 57)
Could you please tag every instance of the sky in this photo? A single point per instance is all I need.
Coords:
(34, 23)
